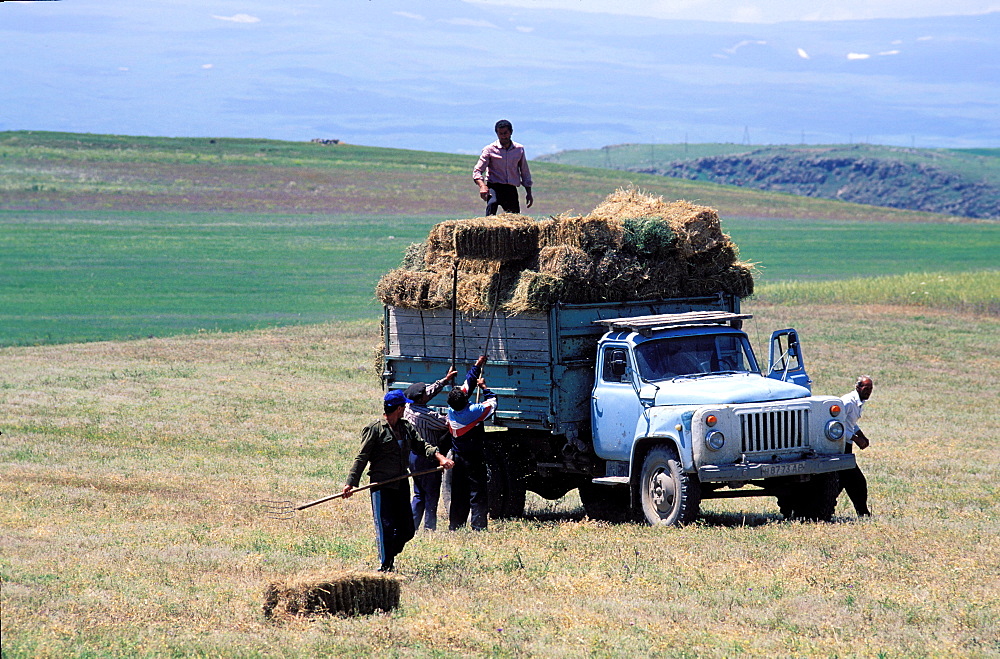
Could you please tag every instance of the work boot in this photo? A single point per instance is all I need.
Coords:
(388, 566)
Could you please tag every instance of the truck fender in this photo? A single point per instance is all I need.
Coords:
(641, 446)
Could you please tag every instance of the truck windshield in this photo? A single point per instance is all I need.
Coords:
(686, 356)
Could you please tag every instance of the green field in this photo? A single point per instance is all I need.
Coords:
(88, 275)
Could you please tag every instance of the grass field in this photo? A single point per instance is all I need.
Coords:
(131, 472)
(89, 275)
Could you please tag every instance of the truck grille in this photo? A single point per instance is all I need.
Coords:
(774, 430)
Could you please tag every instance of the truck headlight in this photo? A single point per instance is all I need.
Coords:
(834, 430)
(715, 440)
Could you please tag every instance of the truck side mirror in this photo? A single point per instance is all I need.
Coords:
(619, 363)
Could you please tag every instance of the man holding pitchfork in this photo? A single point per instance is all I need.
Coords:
(385, 449)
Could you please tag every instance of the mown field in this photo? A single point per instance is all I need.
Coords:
(131, 472)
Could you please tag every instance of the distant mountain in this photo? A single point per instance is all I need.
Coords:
(436, 75)
(953, 182)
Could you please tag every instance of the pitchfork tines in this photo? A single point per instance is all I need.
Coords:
(274, 509)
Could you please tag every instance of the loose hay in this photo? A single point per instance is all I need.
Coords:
(345, 593)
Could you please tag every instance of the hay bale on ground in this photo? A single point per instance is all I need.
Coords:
(501, 238)
(346, 593)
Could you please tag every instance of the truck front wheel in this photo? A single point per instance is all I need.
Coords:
(667, 495)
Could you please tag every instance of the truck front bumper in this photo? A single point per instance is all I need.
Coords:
(750, 471)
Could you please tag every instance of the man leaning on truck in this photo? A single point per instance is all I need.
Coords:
(853, 480)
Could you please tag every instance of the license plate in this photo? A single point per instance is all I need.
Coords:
(782, 469)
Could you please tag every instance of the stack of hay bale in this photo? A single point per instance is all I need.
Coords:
(633, 246)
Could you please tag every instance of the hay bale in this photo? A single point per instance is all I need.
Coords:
(409, 288)
(535, 292)
(566, 262)
(663, 279)
(618, 277)
(735, 279)
(594, 235)
(697, 227)
(649, 237)
(415, 257)
(345, 593)
(501, 238)
(628, 203)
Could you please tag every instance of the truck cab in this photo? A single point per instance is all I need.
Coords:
(681, 411)
(647, 407)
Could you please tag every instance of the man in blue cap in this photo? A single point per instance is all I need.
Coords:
(385, 449)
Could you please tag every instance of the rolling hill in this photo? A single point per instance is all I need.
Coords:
(950, 181)
(63, 171)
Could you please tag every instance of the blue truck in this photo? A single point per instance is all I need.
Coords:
(647, 407)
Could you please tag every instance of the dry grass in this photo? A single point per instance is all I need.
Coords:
(131, 471)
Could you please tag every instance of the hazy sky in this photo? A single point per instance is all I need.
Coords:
(766, 11)
(436, 74)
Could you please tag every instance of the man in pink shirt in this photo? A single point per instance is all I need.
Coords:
(501, 168)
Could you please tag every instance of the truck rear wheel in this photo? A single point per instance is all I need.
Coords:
(506, 478)
(667, 495)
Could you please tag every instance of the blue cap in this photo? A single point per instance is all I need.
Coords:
(395, 398)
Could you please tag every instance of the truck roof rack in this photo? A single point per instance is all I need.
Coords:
(646, 325)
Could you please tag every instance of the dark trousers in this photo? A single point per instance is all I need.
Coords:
(393, 521)
(855, 484)
(468, 492)
(502, 195)
(426, 492)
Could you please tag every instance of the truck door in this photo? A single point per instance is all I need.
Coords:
(615, 407)
(785, 359)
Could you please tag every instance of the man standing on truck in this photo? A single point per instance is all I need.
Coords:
(385, 448)
(433, 429)
(501, 168)
(852, 480)
(468, 438)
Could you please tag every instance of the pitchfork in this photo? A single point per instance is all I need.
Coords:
(287, 509)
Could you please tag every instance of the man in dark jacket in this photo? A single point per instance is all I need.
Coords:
(385, 449)
(468, 439)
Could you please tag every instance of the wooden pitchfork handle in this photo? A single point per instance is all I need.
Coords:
(369, 486)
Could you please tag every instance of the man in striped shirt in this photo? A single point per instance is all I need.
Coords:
(501, 168)
(433, 429)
